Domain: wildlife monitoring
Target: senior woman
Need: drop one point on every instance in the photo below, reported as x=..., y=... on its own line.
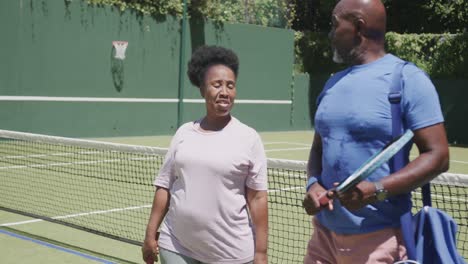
x=211, y=191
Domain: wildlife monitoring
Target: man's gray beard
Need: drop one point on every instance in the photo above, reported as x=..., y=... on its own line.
x=337, y=57
x=353, y=53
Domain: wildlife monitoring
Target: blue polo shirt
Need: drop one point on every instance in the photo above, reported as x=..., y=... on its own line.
x=354, y=121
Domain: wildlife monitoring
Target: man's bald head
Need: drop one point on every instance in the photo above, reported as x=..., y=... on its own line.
x=368, y=14
x=358, y=31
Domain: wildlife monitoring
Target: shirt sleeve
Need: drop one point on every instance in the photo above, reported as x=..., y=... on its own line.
x=420, y=100
x=257, y=178
x=166, y=175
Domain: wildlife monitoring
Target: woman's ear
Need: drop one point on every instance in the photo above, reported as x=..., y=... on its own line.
x=202, y=91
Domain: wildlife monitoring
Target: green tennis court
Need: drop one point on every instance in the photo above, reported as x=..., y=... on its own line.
x=107, y=190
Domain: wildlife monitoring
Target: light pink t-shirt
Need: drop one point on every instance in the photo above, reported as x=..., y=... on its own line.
x=207, y=174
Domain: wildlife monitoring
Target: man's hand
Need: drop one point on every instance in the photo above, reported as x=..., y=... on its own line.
x=311, y=203
x=359, y=196
x=150, y=251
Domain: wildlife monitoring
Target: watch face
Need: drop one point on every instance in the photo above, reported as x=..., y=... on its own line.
x=381, y=195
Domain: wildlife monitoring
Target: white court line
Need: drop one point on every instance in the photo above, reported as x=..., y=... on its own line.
x=113, y=210
x=80, y=214
x=87, y=99
x=59, y=154
x=285, y=149
x=22, y=222
x=459, y=161
x=69, y=163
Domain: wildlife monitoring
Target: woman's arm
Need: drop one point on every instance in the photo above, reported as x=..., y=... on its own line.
x=150, y=248
x=258, y=208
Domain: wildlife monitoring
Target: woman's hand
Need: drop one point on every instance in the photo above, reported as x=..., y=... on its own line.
x=150, y=251
x=260, y=258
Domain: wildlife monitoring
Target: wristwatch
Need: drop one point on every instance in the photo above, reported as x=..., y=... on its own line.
x=380, y=192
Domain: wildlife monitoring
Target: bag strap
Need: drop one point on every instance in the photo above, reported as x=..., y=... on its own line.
x=394, y=97
x=398, y=161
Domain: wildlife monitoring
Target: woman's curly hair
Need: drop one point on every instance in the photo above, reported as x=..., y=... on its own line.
x=207, y=56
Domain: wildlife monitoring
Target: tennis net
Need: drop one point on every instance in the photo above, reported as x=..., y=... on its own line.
x=106, y=189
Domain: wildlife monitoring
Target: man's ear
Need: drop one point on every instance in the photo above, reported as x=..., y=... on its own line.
x=361, y=26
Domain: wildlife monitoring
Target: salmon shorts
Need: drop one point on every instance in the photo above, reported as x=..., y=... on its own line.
x=382, y=246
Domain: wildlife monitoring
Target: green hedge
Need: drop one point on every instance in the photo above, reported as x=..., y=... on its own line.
x=151, y=7
x=313, y=53
x=440, y=55
x=273, y=13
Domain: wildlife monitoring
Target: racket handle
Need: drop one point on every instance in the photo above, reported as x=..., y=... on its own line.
x=324, y=199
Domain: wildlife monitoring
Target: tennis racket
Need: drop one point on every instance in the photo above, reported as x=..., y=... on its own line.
x=368, y=167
